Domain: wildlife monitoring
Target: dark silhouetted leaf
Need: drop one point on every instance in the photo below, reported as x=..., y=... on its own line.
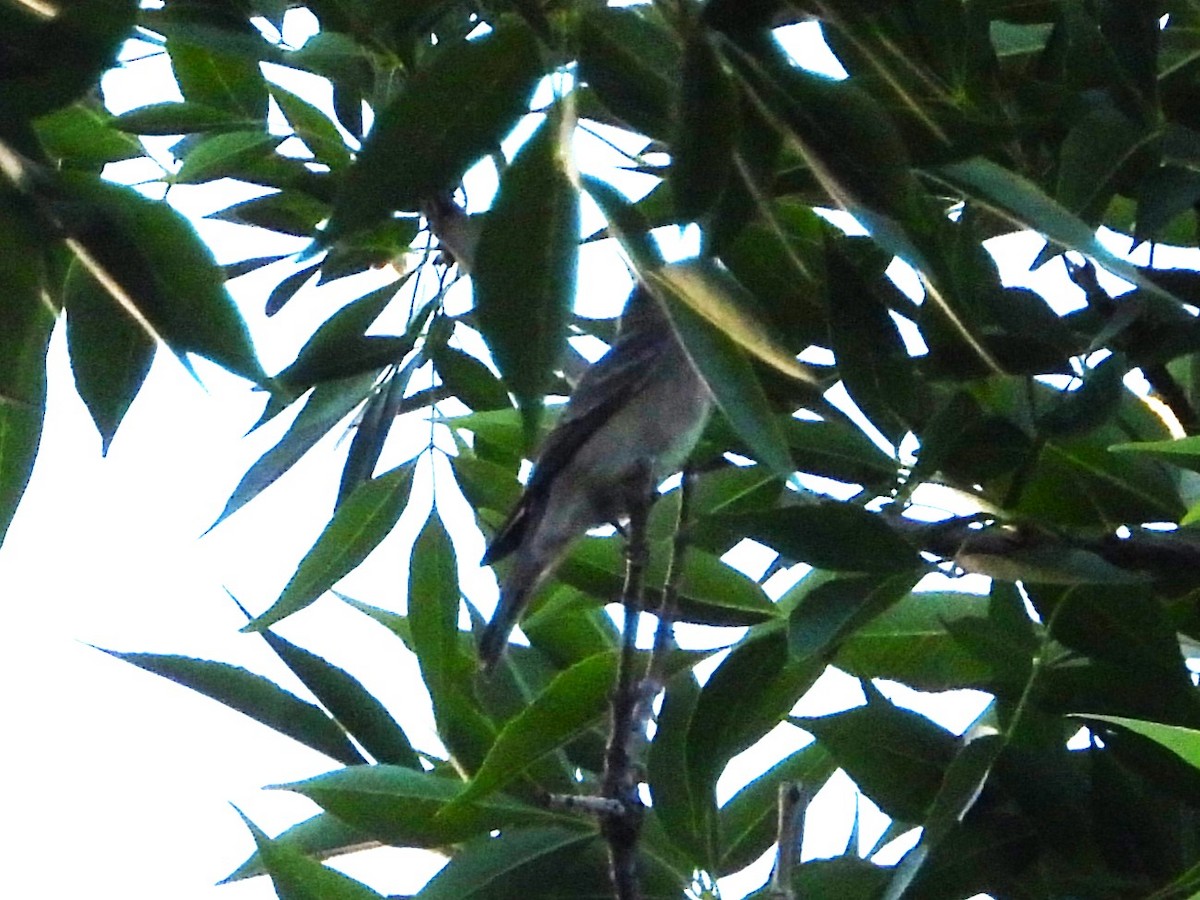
x=110, y=352
x=447, y=116
x=255, y=696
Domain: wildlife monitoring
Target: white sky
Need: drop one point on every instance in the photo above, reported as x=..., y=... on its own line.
x=123, y=783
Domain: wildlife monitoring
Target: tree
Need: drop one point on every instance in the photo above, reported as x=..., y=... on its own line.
x=958, y=122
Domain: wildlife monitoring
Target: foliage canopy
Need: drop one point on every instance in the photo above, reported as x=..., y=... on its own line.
x=959, y=121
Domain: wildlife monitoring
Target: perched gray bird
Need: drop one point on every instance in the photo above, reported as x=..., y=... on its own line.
x=632, y=420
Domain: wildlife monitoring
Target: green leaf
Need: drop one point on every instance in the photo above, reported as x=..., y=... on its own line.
x=253, y=695
x=1079, y=482
x=834, y=609
x=446, y=117
x=574, y=701
x=356, y=529
x=222, y=80
x=296, y=877
x=686, y=810
x=569, y=627
x=710, y=592
x=400, y=806
x=737, y=390
x=964, y=782
x=374, y=424
x=1183, y=742
x=1183, y=452
x=1011, y=39
x=480, y=868
x=703, y=149
x=328, y=404
x=631, y=60
x=1093, y=158
x=362, y=716
x=716, y=296
x=911, y=642
x=151, y=261
x=751, y=692
x=843, y=877
x=51, y=60
x=524, y=273
x=227, y=155
x=470, y=380
x=896, y=757
x=110, y=352
x=838, y=450
x=320, y=837
x=289, y=287
x=871, y=357
x=837, y=536
x=1023, y=203
x=627, y=224
x=396, y=623
x=319, y=134
x=750, y=818
x=85, y=136
x=447, y=667
x=288, y=212
x=23, y=342
x=1091, y=406
x=173, y=117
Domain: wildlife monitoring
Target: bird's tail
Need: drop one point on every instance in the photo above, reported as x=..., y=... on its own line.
x=495, y=635
x=516, y=589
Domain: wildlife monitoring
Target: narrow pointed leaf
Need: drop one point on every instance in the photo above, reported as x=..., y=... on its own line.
x=433, y=607
x=574, y=701
x=358, y=711
x=374, y=425
x=717, y=296
x=255, y=696
x=296, y=877
x=320, y=837
x=180, y=118
x=1183, y=742
x=327, y=405
x=1024, y=204
x=110, y=352
x=356, y=529
x=400, y=805
x=897, y=757
x=737, y=390
x=525, y=267
x=318, y=133
x=703, y=151
x=479, y=868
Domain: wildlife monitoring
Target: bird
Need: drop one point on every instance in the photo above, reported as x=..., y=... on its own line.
x=631, y=421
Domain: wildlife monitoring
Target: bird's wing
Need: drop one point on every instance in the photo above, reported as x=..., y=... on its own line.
x=605, y=388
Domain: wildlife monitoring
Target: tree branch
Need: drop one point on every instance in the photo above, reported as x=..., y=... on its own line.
x=1001, y=550
x=789, y=832
x=621, y=826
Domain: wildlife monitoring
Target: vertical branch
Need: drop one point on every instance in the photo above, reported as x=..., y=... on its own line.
x=790, y=830
x=621, y=827
x=664, y=635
